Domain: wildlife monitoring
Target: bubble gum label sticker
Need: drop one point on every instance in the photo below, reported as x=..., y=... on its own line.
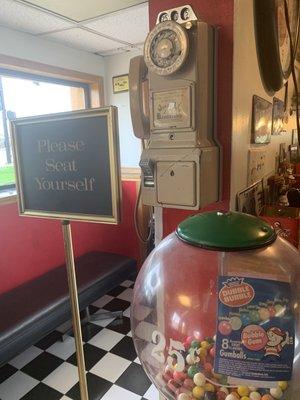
x=255, y=329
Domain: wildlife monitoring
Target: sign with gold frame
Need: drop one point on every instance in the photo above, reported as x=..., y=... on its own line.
x=120, y=83
x=67, y=165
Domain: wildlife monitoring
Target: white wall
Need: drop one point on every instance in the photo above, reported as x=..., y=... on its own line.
x=29, y=47
x=246, y=83
x=129, y=144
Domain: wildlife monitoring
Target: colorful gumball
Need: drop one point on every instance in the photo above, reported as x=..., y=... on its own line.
x=198, y=392
x=208, y=387
x=245, y=319
x=195, y=344
x=279, y=310
x=276, y=393
x=221, y=395
x=193, y=370
x=212, y=352
x=264, y=313
x=188, y=383
x=179, y=376
x=183, y=396
x=236, y=323
x=230, y=396
x=189, y=359
x=272, y=311
x=243, y=390
x=283, y=385
x=255, y=396
x=267, y=397
x=254, y=316
x=199, y=379
x=224, y=389
x=207, y=367
x=224, y=328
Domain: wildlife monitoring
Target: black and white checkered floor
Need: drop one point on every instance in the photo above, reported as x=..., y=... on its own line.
x=47, y=371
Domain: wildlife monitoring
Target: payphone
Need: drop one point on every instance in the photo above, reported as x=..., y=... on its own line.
x=172, y=109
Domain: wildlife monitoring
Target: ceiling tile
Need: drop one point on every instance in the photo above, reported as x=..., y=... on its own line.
x=79, y=10
x=83, y=40
x=130, y=25
x=125, y=49
x=28, y=19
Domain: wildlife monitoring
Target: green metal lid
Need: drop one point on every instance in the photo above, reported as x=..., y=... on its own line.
x=229, y=231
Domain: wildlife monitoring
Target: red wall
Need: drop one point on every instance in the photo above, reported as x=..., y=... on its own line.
x=30, y=247
x=218, y=13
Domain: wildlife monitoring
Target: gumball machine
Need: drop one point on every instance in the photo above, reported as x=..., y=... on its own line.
x=215, y=313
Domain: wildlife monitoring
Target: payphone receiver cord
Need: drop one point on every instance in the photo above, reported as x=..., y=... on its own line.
x=293, y=55
x=136, y=215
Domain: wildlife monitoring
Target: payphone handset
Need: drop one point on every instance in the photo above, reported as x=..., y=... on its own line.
x=137, y=91
x=175, y=76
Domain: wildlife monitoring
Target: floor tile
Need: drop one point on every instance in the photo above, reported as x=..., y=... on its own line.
x=97, y=387
x=129, y=334
x=63, y=349
x=134, y=379
x=25, y=357
x=93, y=309
x=89, y=330
x=117, y=305
x=6, y=371
x=63, y=378
x=16, y=386
x=42, y=392
x=117, y=393
x=106, y=339
x=137, y=360
x=126, y=313
x=48, y=340
x=121, y=325
x=103, y=322
x=65, y=398
x=116, y=291
x=110, y=367
x=152, y=393
x=125, y=348
x=126, y=295
x=127, y=283
x=102, y=301
x=42, y=366
x=92, y=355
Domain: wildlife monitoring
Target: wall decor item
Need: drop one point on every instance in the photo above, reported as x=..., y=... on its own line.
x=120, y=83
x=278, y=115
x=261, y=120
x=67, y=165
x=272, y=40
x=251, y=199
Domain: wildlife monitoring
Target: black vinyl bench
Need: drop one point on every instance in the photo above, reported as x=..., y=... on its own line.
x=36, y=308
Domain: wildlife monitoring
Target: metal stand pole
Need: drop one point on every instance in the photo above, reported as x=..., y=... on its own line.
x=75, y=308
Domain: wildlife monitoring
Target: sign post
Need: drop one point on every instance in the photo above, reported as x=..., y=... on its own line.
x=67, y=168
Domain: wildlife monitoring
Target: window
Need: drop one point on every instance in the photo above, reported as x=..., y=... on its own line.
x=24, y=95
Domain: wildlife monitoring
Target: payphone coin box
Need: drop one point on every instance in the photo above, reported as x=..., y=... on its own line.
x=179, y=59
x=215, y=312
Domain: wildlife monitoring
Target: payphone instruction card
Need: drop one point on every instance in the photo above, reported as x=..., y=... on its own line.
x=255, y=329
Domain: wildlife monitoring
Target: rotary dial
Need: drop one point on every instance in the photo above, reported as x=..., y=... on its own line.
x=166, y=48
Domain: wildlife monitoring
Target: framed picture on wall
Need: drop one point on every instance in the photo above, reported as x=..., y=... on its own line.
x=120, y=83
x=261, y=120
x=278, y=115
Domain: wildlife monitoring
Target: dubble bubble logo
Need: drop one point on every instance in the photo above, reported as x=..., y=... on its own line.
x=236, y=293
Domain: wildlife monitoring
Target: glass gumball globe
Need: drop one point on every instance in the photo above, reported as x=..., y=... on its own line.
x=217, y=324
